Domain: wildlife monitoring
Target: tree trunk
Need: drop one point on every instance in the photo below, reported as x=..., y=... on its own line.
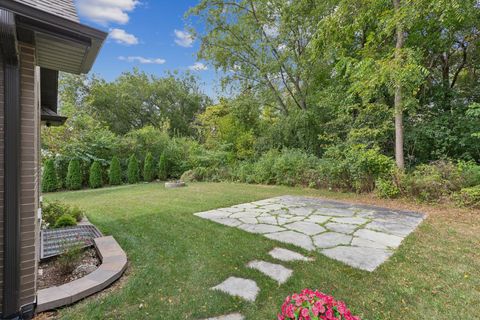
x=398, y=103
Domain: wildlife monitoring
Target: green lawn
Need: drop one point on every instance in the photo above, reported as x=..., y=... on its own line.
x=176, y=257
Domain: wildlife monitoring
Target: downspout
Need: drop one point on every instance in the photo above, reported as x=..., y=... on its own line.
x=11, y=237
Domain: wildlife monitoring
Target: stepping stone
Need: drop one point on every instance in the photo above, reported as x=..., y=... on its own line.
x=228, y=222
x=317, y=219
x=260, y=228
x=379, y=237
x=287, y=255
x=267, y=219
x=248, y=220
x=293, y=237
x=307, y=228
x=244, y=214
x=214, y=214
x=352, y=220
x=331, y=239
x=233, y=316
x=340, y=227
x=275, y=271
x=359, y=257
x=301, y=211
x=360, y=242
x=335, y=212
x=244, y=288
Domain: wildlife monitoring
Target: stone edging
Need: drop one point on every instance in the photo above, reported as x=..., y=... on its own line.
x=114, y=263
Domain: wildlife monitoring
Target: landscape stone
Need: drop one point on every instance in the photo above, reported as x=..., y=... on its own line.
x=358, y=257
x=292, y=237
x=379, y=237
x=267, y=219
x=228, y=222
x=331, y=239
x=233, y=316
x=260, y=228
x=394, y=228
x=340, y=227
x=307, y=228
x=317, y=219
x=244, y=288
x=277, y=272
x=287, y=255
x=361, y=242
x=352, y=220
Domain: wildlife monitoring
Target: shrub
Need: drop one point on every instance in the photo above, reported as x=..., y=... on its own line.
x=74, y=175
x=133, y=174
x=52, y=211
x=49, y=178
x=468, y=197
x=65, y=220
x=115, y=172
x=149, y=168
x=69, y=258
x=470, y=172
x=95, y=179
x=311, y=304
x=163, y=167
x=242, y=172
x=386, y=188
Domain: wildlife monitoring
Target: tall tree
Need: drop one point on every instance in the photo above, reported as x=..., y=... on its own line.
x=399, y=157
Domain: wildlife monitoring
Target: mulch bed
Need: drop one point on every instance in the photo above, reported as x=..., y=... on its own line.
x=49, y=275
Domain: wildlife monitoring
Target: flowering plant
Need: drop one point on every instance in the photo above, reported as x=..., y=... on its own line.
x=314, y=305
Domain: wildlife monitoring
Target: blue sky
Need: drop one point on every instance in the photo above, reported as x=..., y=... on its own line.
x=148, y=34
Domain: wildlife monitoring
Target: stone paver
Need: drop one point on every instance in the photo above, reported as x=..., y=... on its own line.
x=287, y=255
x=331, y=239
x=359, y=235
x=233, y=316
x=277, y=272
x=244, y=288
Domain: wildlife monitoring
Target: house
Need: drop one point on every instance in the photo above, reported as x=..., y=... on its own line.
x=38, y=38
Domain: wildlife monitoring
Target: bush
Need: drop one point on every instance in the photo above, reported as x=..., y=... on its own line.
x=65, y=220
x=49, y=178
x=133, y=174
x=149, y=168
x=468, y=197
x=74, y=175
x=470, y=172
x=95, y=178
x=163, y=167
x=311, y=304
x=386, y=188
x=115, y=172
x=69, y=258
x=52, y=211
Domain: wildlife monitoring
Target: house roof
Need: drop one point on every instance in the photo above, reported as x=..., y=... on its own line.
x=61, y=8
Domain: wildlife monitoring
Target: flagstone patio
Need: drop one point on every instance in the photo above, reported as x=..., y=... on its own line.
x=361, y=236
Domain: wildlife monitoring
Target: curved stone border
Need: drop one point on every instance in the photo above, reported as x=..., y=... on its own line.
x=114, y=263
x=177, y=184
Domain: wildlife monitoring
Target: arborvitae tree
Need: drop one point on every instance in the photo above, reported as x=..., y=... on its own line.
x=95, y=179
x=149, y=168
x=163, y=167
x=133, y=172
x=49, y=178
x=74, y=175
x=115, y=173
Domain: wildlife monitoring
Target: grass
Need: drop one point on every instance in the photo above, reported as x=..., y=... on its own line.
x=176, y=257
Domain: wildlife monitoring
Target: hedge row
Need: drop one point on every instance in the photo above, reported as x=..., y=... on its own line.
x=99, y=175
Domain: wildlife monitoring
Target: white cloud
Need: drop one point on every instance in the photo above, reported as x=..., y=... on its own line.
x=106, y=11
x=198, y=66
x=183, y=38
x=121, y=36
x=142, y=60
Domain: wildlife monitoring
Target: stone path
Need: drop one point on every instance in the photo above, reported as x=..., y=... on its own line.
x=243, y=288
x=361, y=236
x=275, y=271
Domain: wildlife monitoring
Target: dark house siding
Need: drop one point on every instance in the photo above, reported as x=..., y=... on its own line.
x=62, y=8
x=1, y=177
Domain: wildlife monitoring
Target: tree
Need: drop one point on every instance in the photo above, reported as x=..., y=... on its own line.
x=399, y=158
x=115, y=172
x=163, y=167
x=49, y=178
x=74, y=175
x=133, y=172
x=95, y=179
x=149, y=168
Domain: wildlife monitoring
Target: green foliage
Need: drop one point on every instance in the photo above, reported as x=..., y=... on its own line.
x=74, y=178
x=133, y=170
x=49, y=177
x=163, y=166
x=385, y=188
x=115, y=172
x=149, y=168
x=468, y=197
x=95, y=179
x=70, y=257
x=52, y=211
x=65, y=220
